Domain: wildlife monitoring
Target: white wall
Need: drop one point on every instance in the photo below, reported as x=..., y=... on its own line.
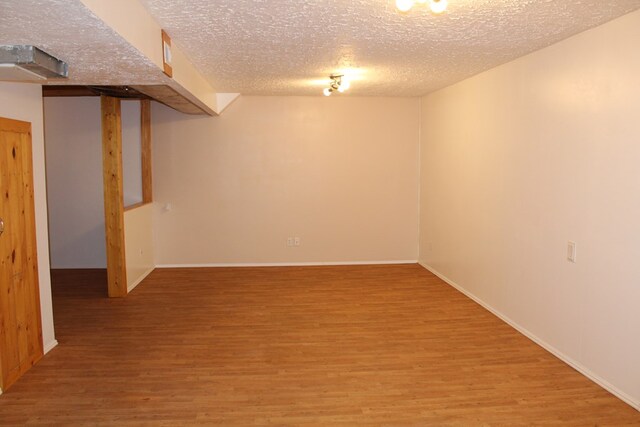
x=138, y=236
x=74, y=177
x=523, y=158
x=131, y=152
x=340, y=173
x=74, y=181
x=24, y=102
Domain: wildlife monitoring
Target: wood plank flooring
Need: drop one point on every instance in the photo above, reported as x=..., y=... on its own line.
x=363, y=345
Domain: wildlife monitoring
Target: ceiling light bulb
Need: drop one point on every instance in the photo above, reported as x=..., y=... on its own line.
x=438, y=6
x=344, y=85
x=404, y=5
x=327, y=91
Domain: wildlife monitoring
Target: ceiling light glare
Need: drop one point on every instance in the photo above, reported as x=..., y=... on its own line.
x=404, y=5
x=438, y=6
x=338, y=83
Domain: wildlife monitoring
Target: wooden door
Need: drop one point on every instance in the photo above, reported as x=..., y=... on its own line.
x=20, y=322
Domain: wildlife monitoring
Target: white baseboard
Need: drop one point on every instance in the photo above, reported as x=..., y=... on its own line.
x=560, y=355
x=139, y=280
x=50, y=346
x=286, y=264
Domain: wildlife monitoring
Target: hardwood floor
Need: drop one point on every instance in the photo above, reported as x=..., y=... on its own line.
x=365, y=345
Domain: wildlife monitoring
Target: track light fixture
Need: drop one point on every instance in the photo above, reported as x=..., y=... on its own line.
x=437, y=6
x=338, y=83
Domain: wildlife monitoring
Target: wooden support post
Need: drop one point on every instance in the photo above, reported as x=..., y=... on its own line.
x=113, y=195
x=145, y=138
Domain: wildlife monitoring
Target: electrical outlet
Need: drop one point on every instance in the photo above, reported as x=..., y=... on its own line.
x=289, y=241
x=296, y=241
x=571, y=251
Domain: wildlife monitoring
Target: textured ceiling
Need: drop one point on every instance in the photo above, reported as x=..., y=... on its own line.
x=283, y=47
x=69, y=31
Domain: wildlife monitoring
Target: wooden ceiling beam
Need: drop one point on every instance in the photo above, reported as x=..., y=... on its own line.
x=164, y=94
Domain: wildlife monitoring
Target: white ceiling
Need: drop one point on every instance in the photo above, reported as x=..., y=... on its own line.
x=284, y=47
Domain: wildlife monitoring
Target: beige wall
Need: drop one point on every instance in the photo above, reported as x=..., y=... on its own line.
x=340, y=173
x=24, y=102
x=521, y=159
x=74, y=177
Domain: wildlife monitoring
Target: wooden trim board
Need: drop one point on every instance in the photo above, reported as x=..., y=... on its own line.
x=166, y=53
x=113, y=195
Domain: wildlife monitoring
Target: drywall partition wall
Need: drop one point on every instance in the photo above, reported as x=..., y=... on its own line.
x=138, y=236
x=22, y=101
x=340, y=173
x=74, y=180
x=74, y=174
x=131, y=152
x=521, y=159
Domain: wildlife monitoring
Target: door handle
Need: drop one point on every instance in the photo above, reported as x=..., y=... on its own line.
x=1, y=226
